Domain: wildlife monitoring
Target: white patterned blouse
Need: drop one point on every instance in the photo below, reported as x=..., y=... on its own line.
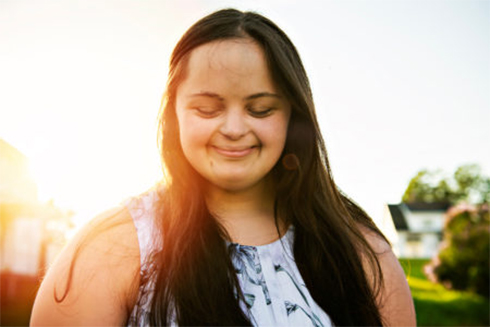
x=275, y=293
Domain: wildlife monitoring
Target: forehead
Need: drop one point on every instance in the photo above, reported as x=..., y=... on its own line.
x=235, y=64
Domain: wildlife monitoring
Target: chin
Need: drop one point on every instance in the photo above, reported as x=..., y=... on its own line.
x=234, y=185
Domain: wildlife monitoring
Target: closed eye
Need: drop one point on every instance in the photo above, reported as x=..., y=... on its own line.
x=206, y=112
x=260, y=112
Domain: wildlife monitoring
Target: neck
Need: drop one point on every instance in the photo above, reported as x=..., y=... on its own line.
x=247, y=215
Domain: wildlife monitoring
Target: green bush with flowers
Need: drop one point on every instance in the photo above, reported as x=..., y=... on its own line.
x=463, y=263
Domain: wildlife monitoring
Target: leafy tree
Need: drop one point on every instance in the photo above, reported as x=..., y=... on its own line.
x=471, y=185
x=467, y=184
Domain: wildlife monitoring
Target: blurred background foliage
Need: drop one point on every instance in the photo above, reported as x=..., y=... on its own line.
x=466, y=184
x=452, y=289
x=463, y=262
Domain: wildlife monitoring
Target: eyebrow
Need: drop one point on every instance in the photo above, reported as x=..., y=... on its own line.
x=207, y=94
x=263, y=94
x=250, y=97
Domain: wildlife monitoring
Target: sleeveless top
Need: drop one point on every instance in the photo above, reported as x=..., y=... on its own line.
x=274, y=291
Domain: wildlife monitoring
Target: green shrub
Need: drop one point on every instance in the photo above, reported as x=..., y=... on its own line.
x=463, y=263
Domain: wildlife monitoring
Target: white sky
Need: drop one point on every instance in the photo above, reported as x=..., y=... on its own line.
x=399, y=86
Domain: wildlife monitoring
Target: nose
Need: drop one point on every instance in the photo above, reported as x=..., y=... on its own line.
x=234, y=125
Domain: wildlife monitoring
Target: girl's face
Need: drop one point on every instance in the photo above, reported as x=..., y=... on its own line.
x=232, y=120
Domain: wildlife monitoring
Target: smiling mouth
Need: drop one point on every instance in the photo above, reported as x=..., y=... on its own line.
x=234, y=152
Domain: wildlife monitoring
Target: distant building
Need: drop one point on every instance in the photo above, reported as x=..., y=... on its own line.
x=419, y=228
x=31, y=233
x=16, y=182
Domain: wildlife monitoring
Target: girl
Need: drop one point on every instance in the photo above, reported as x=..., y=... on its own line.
x=249, y=227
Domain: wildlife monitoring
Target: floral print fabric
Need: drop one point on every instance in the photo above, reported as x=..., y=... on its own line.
x=273, y=289
x=274, y=293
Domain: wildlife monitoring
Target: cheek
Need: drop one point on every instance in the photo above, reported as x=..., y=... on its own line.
x=193, y=135
x=274, y=134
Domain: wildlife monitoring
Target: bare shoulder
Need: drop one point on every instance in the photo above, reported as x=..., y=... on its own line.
x=394, y=300
x=94, y=280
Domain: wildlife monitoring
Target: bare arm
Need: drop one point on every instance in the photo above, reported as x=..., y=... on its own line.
x=394, y=300
x=105, y=277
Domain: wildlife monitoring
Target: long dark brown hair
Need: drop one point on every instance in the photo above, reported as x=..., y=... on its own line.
x=195, y=281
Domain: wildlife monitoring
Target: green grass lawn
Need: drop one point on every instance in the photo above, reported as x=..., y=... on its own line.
x=437, y=306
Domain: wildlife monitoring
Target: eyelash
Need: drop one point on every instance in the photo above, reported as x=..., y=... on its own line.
x=206, y=113
x=213, y=112
x=261, y=113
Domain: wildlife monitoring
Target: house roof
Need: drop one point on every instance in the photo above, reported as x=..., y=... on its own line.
x=418, y=217
x=398, y=216
x=423, y=206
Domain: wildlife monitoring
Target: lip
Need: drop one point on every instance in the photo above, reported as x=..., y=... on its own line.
x=234, y=152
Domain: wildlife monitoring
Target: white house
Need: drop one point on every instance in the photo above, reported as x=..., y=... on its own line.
x=419, y=228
